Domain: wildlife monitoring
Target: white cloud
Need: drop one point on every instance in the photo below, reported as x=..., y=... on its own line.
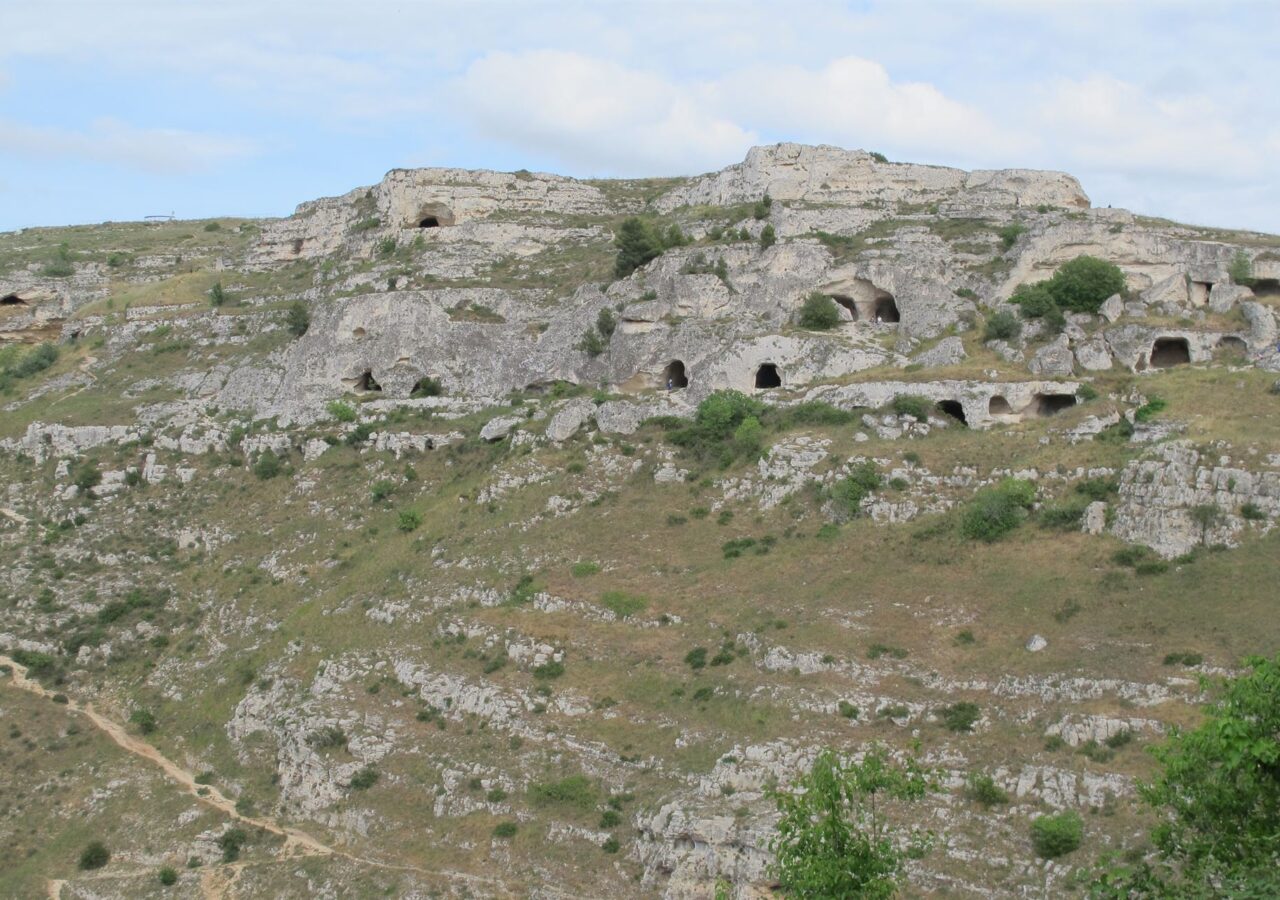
x=157, y=150
x=597, y=114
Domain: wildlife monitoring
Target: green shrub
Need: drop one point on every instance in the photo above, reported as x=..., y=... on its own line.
x=1186, y=659
x=573, y=791
x=610, y=818
x=982, y=789
x=267, y=465
x=341, y=411
x=1241, y=269
x=386, y=246
x=877, y=650
x=850, y=491
x=623, y=605
x=912, y=405
x=584, y=569
x=1119, y=739
x=1252, y=512
x=1149, y=410
x=95, y=855
x=1010, y=233
x=505, y=830
x=1086, y=392
x=736, y=547
x=1056, y=835
x=1002, y=326
x=427, y=387
x=696, y=658
x=768, y=237
x=960, y=717
x=168, y=875
x=145, y=719
x=382, y=489
x=761, y=209
x=998, y=510
x=637, y=244
x=230, y=842
x=1064, y=516
x=847, y=709
x=611, y=845
x=1082, y=284
x=1097, y=488
x=364, y=779
x=37, y=664
x=358, y=435
x=217, y=296
x=819, y=312
x=330, y=737
x=409, y=520
x=297, y=319
x=87, y=476
x=548, y=670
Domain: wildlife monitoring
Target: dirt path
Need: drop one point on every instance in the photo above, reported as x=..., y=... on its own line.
x=217, y=883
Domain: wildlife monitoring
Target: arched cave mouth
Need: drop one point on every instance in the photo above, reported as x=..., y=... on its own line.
x=12, y=300
x=1266, y=287
x=886, y=309
x=767, y=377
x=999, y=406
x=429, y=222
x=1052, y=404
x=848, y=304
x=366, y=382
x=433, y=215
x=1231, y=346
x=953, y=409
x=674, y=375
x=1169, y=352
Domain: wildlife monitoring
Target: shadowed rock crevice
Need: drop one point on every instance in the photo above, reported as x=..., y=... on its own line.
x=767, y=376
x=1168, y=352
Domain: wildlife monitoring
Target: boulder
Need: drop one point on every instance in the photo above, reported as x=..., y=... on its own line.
x=497, y=429
x=1112, y=308
x=1094, y=520
x=565, y=423
x=1224, y=296
x=1093, y=355
x=947, y=352
x=1055, y=358
x=1171, y=291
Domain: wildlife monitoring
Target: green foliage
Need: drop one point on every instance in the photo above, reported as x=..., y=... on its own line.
x=168, y=875
x=1056, y=835
x=584, y=569
x=637, y=244
x=217, y=296
x=573, y=791
x=267, y=465
x=819, y=312
x=1241, y=269
x=366, y=224
x=1206, y=516
x=983, y=790
x=364, y=779
x=912, y=405
x=60, y=266
x=1185, y=659
x=426, y=387
x=37, y=664
x=1252, y=512
x=341, y=411
x=1033, y=300
x=606, y=323
x=833, y=839
x=998, y=510
x=960, y=717
x=145, y=719
x=877, y=650
x=505, y=830
x=382, y=489
x=850, y=491
x=297, y=319
x=762, y=208
x=1149, y=410
x=720, y=428
x=87, y=476
x=879, y=157
x=548, y=670
x=230, y=842
x=1010, y=233
x=330, y=737
x=409, y=520
x=95, y=855
x=768, y=237
x=696, y=658
x=1064, y=516
x=847, y=710
x=17, y=362
x=386, y=247
x=611, y=845
x=1086, y=392
x=1002, y=326
x=1080, y=285
x=623, y=605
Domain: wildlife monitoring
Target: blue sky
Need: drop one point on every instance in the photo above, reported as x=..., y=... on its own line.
x=111, y=109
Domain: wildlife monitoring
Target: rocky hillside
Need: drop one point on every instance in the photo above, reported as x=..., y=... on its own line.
x=412, y=546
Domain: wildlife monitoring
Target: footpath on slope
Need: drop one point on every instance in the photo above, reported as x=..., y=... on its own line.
x=297, y=843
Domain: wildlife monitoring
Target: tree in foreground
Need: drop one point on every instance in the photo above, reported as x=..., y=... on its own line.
x=834, y=839
x=1218, y=796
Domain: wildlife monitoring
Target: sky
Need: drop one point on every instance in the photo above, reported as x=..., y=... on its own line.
x=118, y=109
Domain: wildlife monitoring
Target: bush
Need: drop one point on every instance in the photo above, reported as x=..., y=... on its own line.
x=95, y=855
x=1010, y=233
x=574, y=791
x=611, y=845
x=1241, y=269
x=267, y=465
x=297, y=319
x=364, y=779
x=1186, y=659
x=1064, y=516
x=548, y=670
x=1086, y=392
x=230, y=842
x=343, y=412
x=409, y=520
x=850, y=491
x=217, y=296
x=623, y=605
x=877, y=650
x=1252, y=512
x=1080, y=285
x=847, y=709
x=696, y=658
x=1149, y=410
x=87, y=476
x=998, y=510
x=768, y=237
x=168, y=875
x=505, y=830
x=1002, y=326
x=584, y=569
x=960, y=717
x=819, y=312
x=1056, y=835
x=982, y=789
x=761, y=209
x=145, y=719
x=637, y=244
x=381, y=490
x=912, y=405
x=427, y=387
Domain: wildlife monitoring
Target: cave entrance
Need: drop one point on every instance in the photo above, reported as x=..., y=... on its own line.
x=848, y=304
x=1232, y=346
x=429, y=222
x=1052, y=404
x=366, y=382
x=12, y=300
x=433, y=215
x=767, y=377
x=1169, y=352
x=954, y=409
x=674, y=376
x=1198, y=292
x=999, y=406
x=1266, y=287
x=426, y=387
x=886, y=309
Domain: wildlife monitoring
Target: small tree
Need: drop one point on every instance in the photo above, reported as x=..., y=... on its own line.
x=1084, y=283
x=94, y=856
x=1207, y=516
x=834, y=839
x=637, y=245
x=1241, y=269
x=1057, y=835
x=762, y=207
x=1002, y=326
x=768, y=237
x=87, y=476
x=819, y=312
x=298, y=319
x=217, y=296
